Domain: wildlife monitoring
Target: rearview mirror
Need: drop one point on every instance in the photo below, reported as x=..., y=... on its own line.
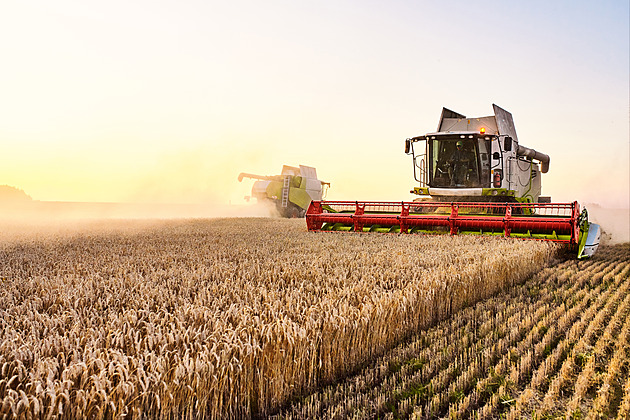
x=496, y=156
x=407, y=146
x=507, y=144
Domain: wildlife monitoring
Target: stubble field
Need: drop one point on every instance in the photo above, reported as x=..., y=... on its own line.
x=555, y=347
x=241, y=317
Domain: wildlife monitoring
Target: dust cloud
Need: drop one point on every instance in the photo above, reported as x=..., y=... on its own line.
x=615, y=223
x=25, y=221
x=58, y=210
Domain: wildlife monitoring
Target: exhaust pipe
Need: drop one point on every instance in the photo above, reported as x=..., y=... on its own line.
x=533, y=154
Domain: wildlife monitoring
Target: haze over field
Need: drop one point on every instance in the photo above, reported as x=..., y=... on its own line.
x=167, y=102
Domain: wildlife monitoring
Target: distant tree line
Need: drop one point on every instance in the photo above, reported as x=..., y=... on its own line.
x=13, y=195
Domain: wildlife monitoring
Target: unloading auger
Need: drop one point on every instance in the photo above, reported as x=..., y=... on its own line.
x=474, y=179
x=291, y=191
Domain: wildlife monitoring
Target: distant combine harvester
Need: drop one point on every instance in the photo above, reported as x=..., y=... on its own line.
x=291, y=192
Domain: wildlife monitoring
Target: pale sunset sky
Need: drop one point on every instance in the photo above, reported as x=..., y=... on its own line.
x=167, y=101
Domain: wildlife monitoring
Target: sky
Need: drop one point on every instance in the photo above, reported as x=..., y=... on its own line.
x=168, y=101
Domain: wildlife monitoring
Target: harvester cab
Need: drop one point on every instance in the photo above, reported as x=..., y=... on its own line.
x=474, y=178
x=476, y=159
x=291, y=192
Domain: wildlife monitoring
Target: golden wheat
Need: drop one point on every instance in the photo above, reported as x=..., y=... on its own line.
x=222, y=318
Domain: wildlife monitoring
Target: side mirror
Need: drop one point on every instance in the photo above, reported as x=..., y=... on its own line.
x=496, y=156
x=507, y=144
x=407, y=146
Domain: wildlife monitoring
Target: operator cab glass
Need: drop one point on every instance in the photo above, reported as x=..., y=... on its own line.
x=466, y=166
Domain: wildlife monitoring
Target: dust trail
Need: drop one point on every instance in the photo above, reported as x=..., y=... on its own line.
x=60, y=210
x=615, y=223
x=27, y=221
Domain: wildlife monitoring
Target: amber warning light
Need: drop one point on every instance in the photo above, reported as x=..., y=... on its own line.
x=482, y=130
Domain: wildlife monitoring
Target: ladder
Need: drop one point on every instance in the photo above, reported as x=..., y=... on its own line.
x=285, y=191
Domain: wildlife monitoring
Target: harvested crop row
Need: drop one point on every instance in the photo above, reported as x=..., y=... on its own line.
x=566, y=329
x=229, y=317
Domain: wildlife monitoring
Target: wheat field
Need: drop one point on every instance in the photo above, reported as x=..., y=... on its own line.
x=229, y=318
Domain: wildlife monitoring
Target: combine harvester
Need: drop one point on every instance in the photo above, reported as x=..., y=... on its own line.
x=475, y=178
x=291, y=191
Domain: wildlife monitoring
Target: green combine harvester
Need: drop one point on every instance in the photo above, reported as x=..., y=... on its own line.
x=291, y=192
x=473, y=178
